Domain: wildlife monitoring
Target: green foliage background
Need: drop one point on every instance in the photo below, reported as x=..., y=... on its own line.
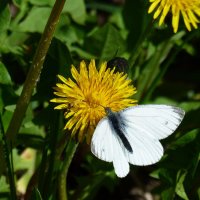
x=163, y=66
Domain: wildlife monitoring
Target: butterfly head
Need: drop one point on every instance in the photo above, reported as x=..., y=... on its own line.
x=108, y=111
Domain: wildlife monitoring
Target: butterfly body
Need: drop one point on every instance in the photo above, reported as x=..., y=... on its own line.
x=117, y=123
x=120, y=64
x=132, y=135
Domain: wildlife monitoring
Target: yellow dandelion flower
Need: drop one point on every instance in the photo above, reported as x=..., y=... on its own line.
x=190, y=10
x=85, y=97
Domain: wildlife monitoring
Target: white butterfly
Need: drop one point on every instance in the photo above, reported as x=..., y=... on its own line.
x=132, y=135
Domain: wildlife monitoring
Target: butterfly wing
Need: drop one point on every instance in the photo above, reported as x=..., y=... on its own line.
x=146, y=150
x=107, y=146
x=101, y=144
x=120, y=161
x=158, y=121
x=144, y=126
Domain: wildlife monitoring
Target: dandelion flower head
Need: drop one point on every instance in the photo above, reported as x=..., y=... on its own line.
x=84, y=97
x=189, y=9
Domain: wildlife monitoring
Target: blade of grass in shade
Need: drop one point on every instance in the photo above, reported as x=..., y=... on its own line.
x=44, y=174
x=8, y=162
x=30, y=140
x=70, y=151
x=35, y=71
x=166, y=65
x=53, y=145
x=36, y=195
x=43, y=166
x=152, y=68
x=38, y=177
x=47, y=166
x=138, y=47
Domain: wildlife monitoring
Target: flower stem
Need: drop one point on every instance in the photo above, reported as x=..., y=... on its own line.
x=35, y=71
x=70, y=151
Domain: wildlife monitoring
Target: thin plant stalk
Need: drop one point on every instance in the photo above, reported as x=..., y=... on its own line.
x=8, y=160
x=35, y=71
x=70, y=151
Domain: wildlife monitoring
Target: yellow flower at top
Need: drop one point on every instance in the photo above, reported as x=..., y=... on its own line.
x=84, y=97
x=189, y=9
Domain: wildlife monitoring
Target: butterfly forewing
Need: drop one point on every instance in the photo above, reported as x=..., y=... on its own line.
x=158, y=121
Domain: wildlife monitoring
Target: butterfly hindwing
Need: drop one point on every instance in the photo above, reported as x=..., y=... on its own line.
x=107, y=146
x=120, y=161
x=101, y=144
x=146, y=150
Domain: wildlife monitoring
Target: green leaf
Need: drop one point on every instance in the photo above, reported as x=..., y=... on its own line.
x=136, y=20
x=7, y=97
x=76, y=9
x=58, y=62
x=165, y=175
x=14, y=43
x=4, y=75
x=36, y=20
x=6, y=117
x=66, y=32
x=186, y=146
x=190, y=105
x=198, y=193
x=185, y=139
x=90, y=185
x=180, y=190
x=175, y=158
x=10, y=108
x=24, y=163
x=4, y=185
x=5, y=17
x=167, y=193
x=104, y=42
x=42, y=3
